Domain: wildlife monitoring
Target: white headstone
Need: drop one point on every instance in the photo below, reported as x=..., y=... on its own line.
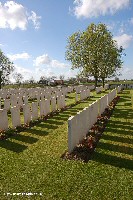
x=103, y=102
x=53, y=104
x=7, y=104
x=76, y=97
x=34, y=110
x=72, y=131
x=46, y=107
x=20, y=101
x=27, y=113
x=15, y=117
x=25, y=98
x=13, y=100
x=3, y=119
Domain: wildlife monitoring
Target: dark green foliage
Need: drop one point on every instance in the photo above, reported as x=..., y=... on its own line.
x=6, y=67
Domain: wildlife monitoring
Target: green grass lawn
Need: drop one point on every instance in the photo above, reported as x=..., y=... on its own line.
x=30, y=161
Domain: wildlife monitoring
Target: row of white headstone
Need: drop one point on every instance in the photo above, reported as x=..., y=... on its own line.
x=32, y=112
x=45, y=106
x=33, y=92
x=81, y=123
x=40, y=108
x=19, y=100
x=99, y=89
x=84, y=94
x=20, y=97
x=106, y=86
x=80, y=88
x=119, y=88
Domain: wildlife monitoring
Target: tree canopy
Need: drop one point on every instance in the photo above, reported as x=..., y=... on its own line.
x=6, y=67
x=95, y=52
x=18, y=78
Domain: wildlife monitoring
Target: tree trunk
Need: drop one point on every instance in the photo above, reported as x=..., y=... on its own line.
x=103, y=81
x=96, y=81
x=0, y=78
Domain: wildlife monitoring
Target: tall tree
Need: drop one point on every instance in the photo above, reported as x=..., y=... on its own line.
x=18, y=78
x=94, y=51
x=32, y=80
x=110, y=59
x=61, y=77
x=6, y=68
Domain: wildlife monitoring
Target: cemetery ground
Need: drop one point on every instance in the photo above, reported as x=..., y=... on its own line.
x=31, y=161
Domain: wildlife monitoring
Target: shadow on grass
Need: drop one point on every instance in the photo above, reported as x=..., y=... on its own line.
x=84, y=102
x=12, y=146
x=119, y=124
x=125, y=99
x=121, y=131
x=126, y=91
x=123, y=128
x=126, y=114
x=93, y=97
x=128, y=104
x=116, y=148
x=51, y=123
x=118, y=139
x=25, y=138
x=113, y=160
x=35, y=131
x=61, y=117
x=56, y=122
x=69, y=97
x=70, y=113
x=15, y=147
x=73, y=108
x=47, y=125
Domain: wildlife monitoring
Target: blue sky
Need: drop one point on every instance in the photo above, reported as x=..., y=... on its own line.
x=33, y=34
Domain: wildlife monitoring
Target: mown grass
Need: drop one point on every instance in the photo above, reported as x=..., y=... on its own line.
x=131, y=92
x=30, y=161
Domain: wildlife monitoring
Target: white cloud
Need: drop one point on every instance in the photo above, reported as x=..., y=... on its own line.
x=110, y=26
x=46, y=66
x=14, y=57
x=51, y=72
x=44, y=72
x=91, y=8
x=58, y=64
x=14, y=15
x=124, y=40
x=43, y=66
x=36, y=73
x=35, y=19
x=131, y=20
x=71, y=73
x=22, y=70
x=46, y=61
x=117, y=27
x=42, y=60
x=122, y=28
x=26, y=73
x=127, y=73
